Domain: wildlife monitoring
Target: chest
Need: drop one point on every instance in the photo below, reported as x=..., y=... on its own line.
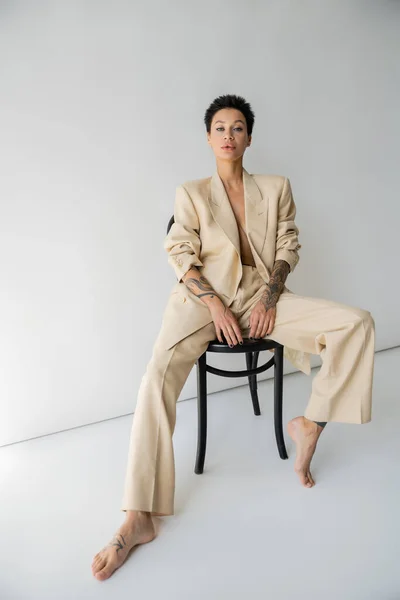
x=236, y=200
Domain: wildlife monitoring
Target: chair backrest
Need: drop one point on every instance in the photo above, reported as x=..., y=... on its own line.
x=170, y=223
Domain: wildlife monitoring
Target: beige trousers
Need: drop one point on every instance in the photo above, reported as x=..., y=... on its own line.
x=344, y=337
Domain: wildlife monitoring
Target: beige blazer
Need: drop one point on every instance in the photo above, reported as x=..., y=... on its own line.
x=205, y=234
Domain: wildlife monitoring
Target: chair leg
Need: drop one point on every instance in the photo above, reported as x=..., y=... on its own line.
x=251, y=362
x=201, y=413
x=278, y=397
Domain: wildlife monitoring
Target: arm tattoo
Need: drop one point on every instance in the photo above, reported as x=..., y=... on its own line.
x=195, y=285
x=276, y=284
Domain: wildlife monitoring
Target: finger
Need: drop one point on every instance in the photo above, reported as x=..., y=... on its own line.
x=260, y=327
x=228, y=335
x=267, y=331
x=238, y=332
x=265, y=328
x=271, y=325
x=255, y=323
x=219, y=336
x=250, y=326
x=233, y=334
x=225, y=336
x=253, y=328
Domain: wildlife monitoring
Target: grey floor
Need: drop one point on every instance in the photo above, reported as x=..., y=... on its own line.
x=245, y=528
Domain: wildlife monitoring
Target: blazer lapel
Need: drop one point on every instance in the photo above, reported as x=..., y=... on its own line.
x=256, y=210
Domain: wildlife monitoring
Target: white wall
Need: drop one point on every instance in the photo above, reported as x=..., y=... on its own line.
x=101, y=117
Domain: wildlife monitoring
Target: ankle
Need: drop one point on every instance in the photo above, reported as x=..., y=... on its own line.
x=311, y=427
x=134, y=515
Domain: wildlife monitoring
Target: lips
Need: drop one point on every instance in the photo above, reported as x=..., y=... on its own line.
x=228, y=147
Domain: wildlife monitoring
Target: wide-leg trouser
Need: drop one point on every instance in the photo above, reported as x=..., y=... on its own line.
x=344, y=337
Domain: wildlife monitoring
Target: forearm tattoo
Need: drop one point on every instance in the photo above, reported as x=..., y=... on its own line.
x=200, y=287
x=276, y=284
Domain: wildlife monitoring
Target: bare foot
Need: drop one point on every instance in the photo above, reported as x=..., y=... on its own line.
x=138, y=528
x=305, y=434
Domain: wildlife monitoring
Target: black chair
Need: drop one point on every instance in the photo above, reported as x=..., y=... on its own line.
x=252, y=349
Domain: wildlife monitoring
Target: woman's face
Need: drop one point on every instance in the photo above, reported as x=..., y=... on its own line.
x=228, y=127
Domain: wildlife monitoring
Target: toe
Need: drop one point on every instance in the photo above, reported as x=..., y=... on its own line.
x=104, y=573
x=99, y=566
x=96, y=561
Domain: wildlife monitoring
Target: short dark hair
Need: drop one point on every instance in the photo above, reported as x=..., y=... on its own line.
x=230, y=101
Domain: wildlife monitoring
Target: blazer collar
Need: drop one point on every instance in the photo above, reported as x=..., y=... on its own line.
x=256, y=210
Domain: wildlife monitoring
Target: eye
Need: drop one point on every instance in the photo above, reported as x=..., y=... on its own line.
x=240, y=128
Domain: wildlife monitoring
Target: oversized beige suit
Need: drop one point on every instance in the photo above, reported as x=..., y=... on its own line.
x=205, y=234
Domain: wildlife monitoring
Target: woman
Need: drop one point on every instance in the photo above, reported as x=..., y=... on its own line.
x=232, y=245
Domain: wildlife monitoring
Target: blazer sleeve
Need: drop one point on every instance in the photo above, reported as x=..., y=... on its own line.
x=182, y=242
x=287, y=243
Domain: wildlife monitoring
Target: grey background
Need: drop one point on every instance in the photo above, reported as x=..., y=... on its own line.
x=101, y=117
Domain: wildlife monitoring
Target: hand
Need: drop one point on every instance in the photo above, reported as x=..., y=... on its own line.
x=262, y=320
x=225, y=323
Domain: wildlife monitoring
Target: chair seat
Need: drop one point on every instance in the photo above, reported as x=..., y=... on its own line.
x=247, y=346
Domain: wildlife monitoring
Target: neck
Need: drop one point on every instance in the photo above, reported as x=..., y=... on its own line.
x=231, y=173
